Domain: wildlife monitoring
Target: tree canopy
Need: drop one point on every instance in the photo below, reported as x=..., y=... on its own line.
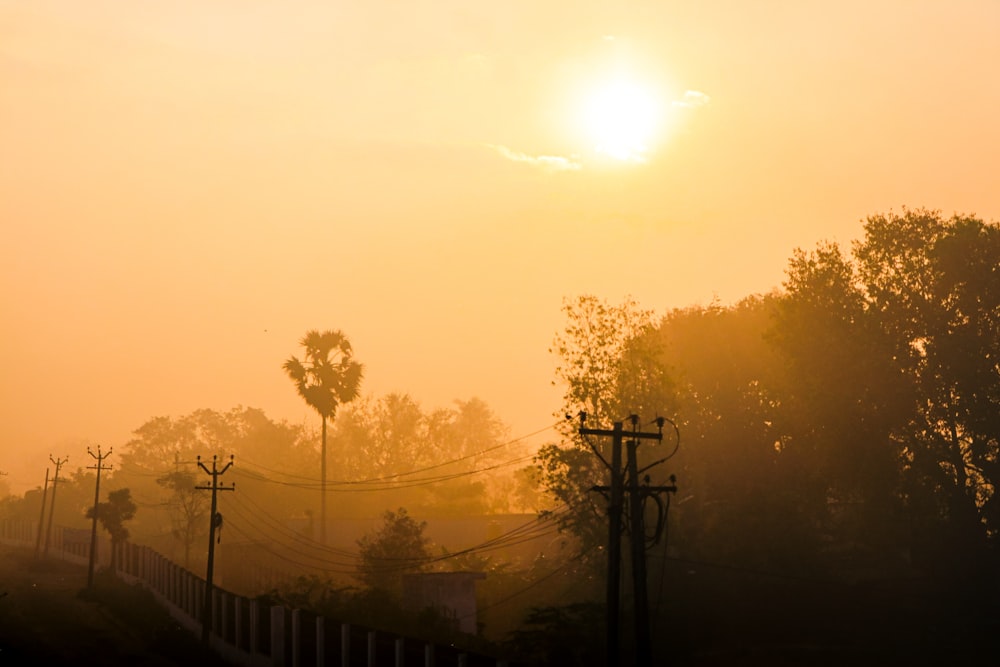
x=397, y=547
x=852, y=416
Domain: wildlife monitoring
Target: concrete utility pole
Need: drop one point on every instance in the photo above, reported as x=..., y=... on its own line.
x=636, y=493
x=97, y=495
x=52, y=502
x=41, y=515
x=214, y=520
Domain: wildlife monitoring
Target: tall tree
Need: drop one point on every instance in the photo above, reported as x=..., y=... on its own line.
x=396, y=548
x=113, y=514
x=610, y=369
x=935, y=285
x=744, y=492
x=188, y=508
x=387, y=438
x=326, y=378
x=896, y=353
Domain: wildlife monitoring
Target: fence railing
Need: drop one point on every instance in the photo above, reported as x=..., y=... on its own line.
x=243, y=630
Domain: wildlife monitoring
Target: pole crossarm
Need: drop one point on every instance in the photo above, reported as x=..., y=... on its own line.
x=632, y=434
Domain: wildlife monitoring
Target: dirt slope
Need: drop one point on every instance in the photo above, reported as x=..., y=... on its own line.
x=48, y=618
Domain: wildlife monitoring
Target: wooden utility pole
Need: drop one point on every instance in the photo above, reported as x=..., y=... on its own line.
x=41, y=515
x=52, y=503
x=214, y=520
x=97, y=496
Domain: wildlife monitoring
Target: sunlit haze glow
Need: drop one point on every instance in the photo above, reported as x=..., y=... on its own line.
x=187, y=187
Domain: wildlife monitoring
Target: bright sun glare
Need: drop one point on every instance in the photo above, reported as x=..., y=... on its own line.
x=622, y=118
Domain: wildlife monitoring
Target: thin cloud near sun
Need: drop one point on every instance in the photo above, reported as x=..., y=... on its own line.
x=553, y=162
x=692, y=99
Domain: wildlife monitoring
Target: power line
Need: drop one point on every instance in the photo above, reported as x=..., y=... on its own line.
x=257, y=517
x=385, y=478
x=537, y=582
x=530, y=531
x=373, y=485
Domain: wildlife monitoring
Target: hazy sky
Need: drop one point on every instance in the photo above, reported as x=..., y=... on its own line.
x=186, y=187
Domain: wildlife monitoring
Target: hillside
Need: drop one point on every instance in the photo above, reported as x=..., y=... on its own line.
x=47, y=617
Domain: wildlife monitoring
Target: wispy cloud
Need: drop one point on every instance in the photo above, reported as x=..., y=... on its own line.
x=692, y=99
x=553, y=162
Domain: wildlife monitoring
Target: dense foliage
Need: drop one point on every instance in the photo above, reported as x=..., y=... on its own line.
x=847, y=423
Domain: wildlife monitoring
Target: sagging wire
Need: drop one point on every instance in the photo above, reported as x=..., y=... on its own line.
x=659, y=421
x=582, y=415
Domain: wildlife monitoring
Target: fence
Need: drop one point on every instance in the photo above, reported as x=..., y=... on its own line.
x=242, y=630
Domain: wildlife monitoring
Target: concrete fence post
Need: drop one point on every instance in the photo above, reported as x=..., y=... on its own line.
x=320, y=642
x=225, y=603
x=216, y=625
x=254, y=626
x=400, y=651
x=296, y=638
x=345, y=645
x=278, y=636
x=371, y=648
x=429, y=655
x=238, y=623
x=183, y=593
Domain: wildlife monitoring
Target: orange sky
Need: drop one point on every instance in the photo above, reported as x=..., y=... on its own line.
x=187, y=187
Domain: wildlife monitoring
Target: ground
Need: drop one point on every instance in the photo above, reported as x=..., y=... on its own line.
x=48, y=617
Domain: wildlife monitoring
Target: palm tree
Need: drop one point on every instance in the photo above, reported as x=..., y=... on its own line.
x=328, y=377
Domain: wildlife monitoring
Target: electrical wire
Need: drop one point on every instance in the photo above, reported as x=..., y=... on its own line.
x=385, y=478
x=533, y=584
x=677, y=446
x=332, y=486
x=267, y=548
x=275, y=523
x=532, y=530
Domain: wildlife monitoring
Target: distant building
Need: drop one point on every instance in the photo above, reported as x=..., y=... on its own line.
x=451, y=593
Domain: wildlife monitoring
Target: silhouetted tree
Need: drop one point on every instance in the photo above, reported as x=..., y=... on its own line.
x=462, y=450
x=328, y=377
x=189, y=507
x=609, y=370
x=745, y=495
x=917, y=310
x=265, y=450
x=398, y=547
x=113, y=514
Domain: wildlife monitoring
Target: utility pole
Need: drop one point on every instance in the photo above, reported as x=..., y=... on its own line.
x=97, y=495
x=214, y=520
x=52, y=503
x=613, y=594
x=636, y=493
x=41, y=515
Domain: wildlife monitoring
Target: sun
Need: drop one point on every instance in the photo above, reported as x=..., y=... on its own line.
x=623, y=118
